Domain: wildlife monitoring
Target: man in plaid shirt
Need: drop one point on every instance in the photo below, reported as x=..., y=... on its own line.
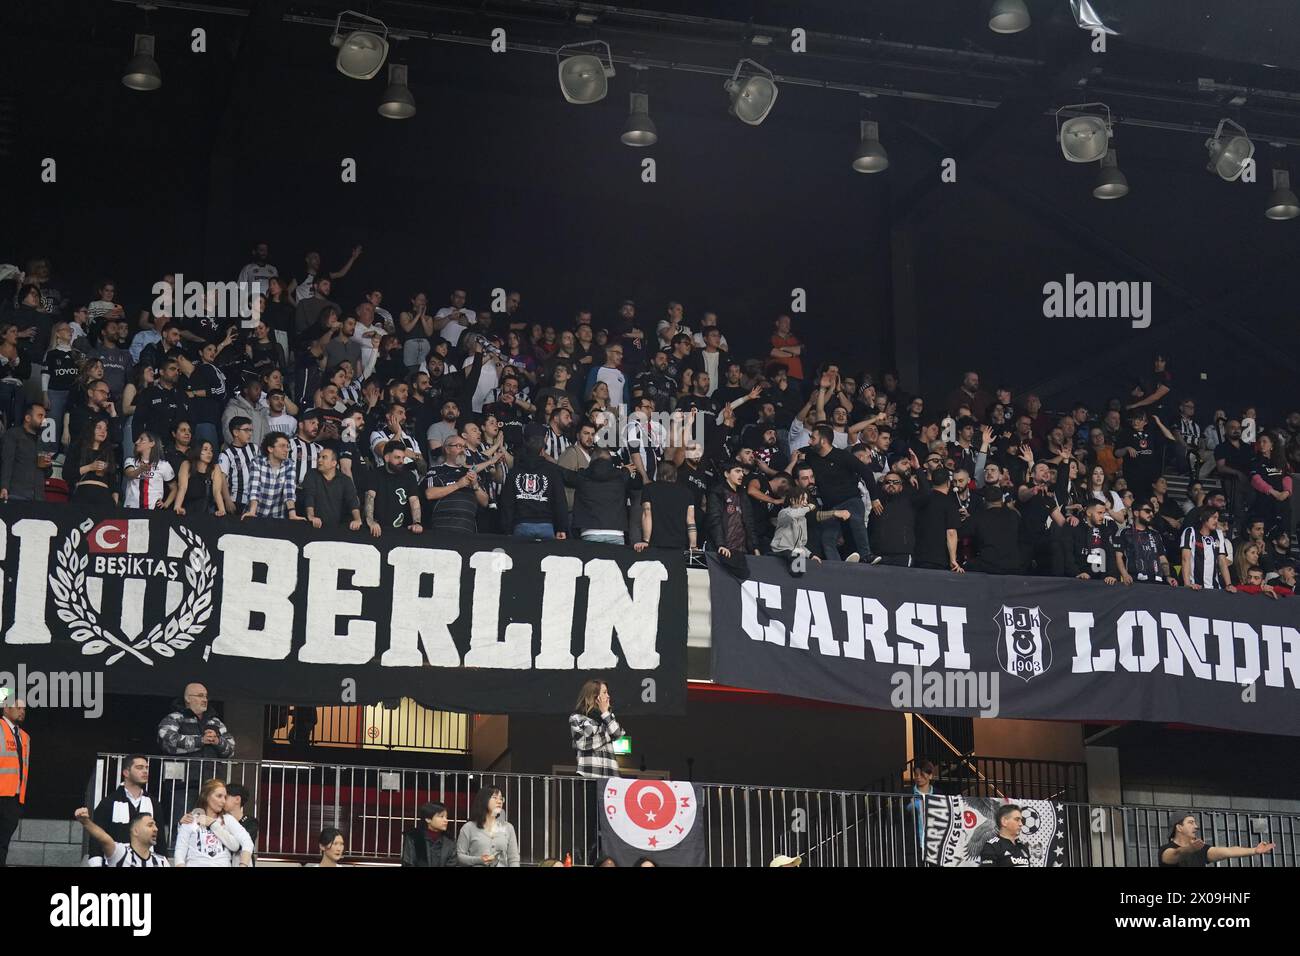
x=273, y=486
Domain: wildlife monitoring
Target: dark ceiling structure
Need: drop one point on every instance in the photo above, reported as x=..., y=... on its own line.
x=939, y=82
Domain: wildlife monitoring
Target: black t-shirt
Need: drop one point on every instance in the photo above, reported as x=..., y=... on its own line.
x=1237, y=456
x=392, y=492
x=699, y=480
x=1200, y=857
x=1096, y=549
x=668, y=503
x=1145, y=467
x=1000, y=851
x=936, y=513
x=995, y=535
x=1142, y=550
x=157, y=409
x=458, y=512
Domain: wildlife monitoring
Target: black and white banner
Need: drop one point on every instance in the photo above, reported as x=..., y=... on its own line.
x=660, y=820
x=935, y=642
x=957, y=828
x=277, y=611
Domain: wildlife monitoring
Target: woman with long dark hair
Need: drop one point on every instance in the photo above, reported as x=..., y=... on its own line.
x=90, y=468
x=487, y=839
x=147, y=474
x=200, y=483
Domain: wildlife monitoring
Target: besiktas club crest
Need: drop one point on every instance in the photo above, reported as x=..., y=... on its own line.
x=115, y=570
x=1024, y=649
x=650, y=815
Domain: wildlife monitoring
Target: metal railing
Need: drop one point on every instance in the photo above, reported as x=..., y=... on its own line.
x=744, y=825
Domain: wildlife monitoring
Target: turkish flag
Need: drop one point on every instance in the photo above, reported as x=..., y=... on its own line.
x=661, y=820
x=109, y=537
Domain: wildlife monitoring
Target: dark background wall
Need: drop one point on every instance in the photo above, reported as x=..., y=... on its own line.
x=497, y=182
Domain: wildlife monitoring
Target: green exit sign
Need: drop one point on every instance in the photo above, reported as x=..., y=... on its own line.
x=623, y=745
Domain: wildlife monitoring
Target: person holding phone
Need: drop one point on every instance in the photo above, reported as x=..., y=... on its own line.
x=487, y=839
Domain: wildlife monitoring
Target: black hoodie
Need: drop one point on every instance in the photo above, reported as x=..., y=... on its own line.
x=534, y=493
x=601, y=500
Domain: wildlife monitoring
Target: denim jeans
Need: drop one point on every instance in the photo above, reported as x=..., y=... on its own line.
x=603, y=537
x=414, y=352
x=857, y=533
x=534, y=529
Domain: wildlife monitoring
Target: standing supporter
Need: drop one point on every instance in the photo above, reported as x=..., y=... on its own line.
x=455, y=490
x=533, y=504
x=23, y=465
x=328, y=497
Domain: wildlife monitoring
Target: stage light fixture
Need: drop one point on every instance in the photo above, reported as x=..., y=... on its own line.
x=870, y=156
x=584, y=77
x=639, y=130
x=752, y=93
x=1008, y=16
x=1282, y=202
x=142, y=71
x=361, y=52
x=1084, y=139
x=1229, y=156
x=1111, y=182
x=398, y=103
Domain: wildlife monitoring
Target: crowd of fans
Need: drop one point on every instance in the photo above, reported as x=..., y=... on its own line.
x=327, y=408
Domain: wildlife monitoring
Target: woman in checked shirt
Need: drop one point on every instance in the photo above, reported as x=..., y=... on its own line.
x=592, y=731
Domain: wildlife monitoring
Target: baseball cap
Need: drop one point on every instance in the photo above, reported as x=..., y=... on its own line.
x=783, y=860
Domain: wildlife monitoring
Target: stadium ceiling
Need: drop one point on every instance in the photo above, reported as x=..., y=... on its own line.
x=1181, y=71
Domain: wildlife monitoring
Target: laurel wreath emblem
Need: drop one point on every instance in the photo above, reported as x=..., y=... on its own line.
x=68, y=583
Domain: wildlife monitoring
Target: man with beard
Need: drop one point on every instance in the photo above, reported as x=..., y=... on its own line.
x=1141, y=555
x=259, y=270
x=161, y=404
x=837, y=472
x=1042, y=519
x=455, y=490
x=655, y=383
x=442, y=429
x=114, y=356
x=1093, y=551
x=893, y=523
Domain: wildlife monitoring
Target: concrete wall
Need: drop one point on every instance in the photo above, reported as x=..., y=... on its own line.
x=1029, y=739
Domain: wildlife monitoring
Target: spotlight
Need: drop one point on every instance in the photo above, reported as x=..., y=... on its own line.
x=871, y=156
x=361, y=52
x=639, y=130
x=1282, y=203
x=142, y=71
x=1111, y=183
x=1229, y=157
x=398, y=103
x=753, y=95
x=1008, y=16
x=1084, y=139
x=584, y=77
